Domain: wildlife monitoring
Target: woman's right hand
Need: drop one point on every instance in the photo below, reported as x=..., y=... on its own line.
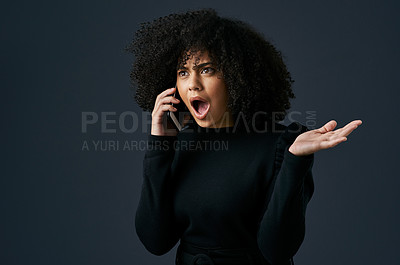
x=158, y=116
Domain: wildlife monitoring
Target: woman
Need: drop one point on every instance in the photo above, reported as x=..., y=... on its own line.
x=241, y=204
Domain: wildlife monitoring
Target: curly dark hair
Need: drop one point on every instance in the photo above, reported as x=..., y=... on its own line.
x=253, y=69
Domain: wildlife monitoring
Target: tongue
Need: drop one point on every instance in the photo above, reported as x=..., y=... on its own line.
x=202, y=107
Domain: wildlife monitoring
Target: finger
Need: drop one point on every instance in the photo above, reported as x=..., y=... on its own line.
x=350, y=127
x=329, y=126
x=166, y=100
x=352, y=123
x=168, y=107
x=346, y=130
x=358, y=122
x=162, y=95
x=165, y=93
x=170, y=99
x=159, y=112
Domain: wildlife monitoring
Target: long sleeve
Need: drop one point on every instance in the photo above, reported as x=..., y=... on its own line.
x=154, y=221
x=282, y=228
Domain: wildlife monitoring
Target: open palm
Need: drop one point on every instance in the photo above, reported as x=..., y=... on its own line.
x=323, y=138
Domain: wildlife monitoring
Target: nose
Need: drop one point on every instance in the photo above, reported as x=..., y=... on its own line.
x=195, y=83
x=193, y=88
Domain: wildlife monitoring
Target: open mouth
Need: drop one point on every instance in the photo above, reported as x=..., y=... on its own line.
x=200, y=107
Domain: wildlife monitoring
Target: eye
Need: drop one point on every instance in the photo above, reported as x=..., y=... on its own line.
x=208, y=70
x=182, y=73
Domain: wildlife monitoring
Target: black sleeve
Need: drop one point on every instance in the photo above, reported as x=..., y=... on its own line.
x=282, y=227
x=154, y=221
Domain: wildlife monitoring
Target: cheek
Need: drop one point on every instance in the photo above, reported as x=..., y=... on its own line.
x=185, y=101
x=182, y=94
x=221, y=103
x=223, y=96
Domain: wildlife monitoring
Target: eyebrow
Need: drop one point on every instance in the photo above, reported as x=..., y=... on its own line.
x=194, y=67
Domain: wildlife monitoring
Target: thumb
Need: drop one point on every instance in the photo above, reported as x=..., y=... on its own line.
x=329, y=126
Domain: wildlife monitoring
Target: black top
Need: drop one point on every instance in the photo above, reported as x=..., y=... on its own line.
x=226, y=188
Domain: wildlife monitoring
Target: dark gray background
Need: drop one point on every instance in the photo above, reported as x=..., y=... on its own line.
x=62, y=205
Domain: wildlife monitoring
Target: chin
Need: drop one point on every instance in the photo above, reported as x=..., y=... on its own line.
x=203, y=123
x=206, y=124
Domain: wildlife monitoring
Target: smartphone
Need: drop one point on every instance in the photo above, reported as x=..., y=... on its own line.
x=177, y=117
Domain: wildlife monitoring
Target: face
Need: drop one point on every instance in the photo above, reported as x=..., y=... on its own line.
x=204, y=92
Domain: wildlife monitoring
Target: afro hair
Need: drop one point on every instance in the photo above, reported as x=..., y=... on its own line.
x=255, y=74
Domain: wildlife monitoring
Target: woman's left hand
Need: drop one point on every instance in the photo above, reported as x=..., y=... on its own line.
x=323, y=138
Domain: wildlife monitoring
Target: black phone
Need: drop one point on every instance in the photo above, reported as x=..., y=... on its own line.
x=178, y=116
